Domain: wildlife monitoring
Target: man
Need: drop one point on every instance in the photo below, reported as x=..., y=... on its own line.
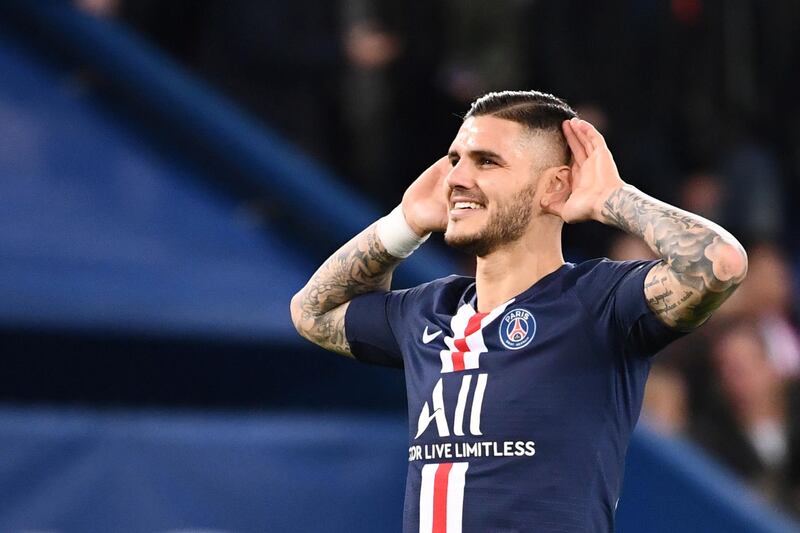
x=524, y=383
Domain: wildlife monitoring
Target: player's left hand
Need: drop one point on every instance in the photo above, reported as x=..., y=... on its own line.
x=594, y=173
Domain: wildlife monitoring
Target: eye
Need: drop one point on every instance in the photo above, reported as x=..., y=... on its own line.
x=485, y=161
x=453, y=161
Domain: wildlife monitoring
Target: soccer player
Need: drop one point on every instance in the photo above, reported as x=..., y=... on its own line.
x=525, y=382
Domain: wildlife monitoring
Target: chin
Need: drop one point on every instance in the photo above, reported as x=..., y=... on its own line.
x=471, y=243
x=456, y=232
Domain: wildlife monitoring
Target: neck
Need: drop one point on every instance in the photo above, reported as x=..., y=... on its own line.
x=514, y=267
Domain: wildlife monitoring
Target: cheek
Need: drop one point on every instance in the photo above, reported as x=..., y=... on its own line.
x=498, y=197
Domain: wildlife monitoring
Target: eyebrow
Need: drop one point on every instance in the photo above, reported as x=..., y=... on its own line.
x=479, y=154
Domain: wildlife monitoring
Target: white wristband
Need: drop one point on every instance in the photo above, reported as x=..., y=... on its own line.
x=397, y=236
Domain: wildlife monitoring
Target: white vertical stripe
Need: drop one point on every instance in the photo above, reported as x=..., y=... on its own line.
x=426, y=498
x=455, y=496
x=477, y=404
x=450, y=342
x=458, y=325
x=458, y=425
x=438, y=410
x=425, y=416
x=460, y=320
x=447, y=360
x=472, y=360
x=475, y=342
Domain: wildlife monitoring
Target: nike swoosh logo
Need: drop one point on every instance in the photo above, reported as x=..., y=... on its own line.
x=428, y=337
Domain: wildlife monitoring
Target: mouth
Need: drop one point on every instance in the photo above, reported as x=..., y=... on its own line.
x=463, y=208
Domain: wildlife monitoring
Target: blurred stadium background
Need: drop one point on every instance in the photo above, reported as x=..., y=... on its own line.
x=171, y=172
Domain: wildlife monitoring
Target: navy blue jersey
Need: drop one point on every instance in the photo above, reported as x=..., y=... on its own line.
x=519, y=418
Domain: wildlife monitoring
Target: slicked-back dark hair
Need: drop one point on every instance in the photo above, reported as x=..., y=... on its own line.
x=535, y=110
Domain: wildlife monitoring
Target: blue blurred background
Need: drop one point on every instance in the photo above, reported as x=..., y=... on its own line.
x=171, y=172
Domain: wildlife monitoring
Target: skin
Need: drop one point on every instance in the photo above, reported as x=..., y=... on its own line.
x=701, y=263
x=360, y=266
x=496, y=163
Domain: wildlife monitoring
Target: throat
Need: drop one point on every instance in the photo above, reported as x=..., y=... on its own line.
x=497, y=280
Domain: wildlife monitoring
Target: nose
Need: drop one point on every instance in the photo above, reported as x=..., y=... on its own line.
x=460, y=176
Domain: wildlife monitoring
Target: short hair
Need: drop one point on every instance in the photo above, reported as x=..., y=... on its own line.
x=536, y=111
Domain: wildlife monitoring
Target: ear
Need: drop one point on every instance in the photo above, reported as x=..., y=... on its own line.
x=557, y=183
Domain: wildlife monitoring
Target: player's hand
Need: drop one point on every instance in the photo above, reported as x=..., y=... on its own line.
x=594, y=173
x=425, y=200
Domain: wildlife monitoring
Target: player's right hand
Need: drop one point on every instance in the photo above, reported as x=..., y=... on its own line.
x=425, y=202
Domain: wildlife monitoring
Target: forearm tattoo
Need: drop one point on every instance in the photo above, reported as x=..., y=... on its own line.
x=701, y=263
x=360, y=266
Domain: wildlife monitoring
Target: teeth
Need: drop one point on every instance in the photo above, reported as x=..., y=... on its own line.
x=467, y=205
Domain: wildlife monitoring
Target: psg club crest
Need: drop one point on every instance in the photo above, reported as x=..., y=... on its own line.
x=517, y=329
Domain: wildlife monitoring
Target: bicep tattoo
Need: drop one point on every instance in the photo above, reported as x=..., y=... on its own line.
x=360, y=266
x=702, y=264
x=327, y=331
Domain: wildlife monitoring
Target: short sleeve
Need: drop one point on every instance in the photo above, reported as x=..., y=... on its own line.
x=614, y=293
x=367, y=325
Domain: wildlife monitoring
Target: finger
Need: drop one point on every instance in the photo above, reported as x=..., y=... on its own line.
x=591, y=133
x=440, y=162
x=438, y=170
x=443, y=164
x=578, y=152
x=580, y=133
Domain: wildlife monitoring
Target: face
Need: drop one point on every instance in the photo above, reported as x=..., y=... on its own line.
x=496, y=166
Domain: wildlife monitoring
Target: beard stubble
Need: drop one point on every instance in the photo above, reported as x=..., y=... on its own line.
x=506, y=225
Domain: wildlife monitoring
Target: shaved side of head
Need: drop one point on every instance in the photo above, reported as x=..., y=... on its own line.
x=541, y=114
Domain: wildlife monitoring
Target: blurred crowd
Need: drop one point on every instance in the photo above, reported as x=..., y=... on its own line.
x=733, y=385
x=698, y=101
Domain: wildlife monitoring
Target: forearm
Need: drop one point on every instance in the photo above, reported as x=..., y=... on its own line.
x=702, y=263
x=365, y=264
x=362, y=265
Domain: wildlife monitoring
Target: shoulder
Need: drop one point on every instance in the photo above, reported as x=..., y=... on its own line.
x=426, y=294
x=613, y=295
x=598, y=281
x=439, y=296
x=603, y=273
x=446, y=288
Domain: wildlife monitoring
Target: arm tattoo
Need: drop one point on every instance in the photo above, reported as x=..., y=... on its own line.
x=702, y=264
x=360, y=266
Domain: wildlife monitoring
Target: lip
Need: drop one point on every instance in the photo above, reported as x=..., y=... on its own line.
x=456, y=199
x=456, y=214
x=463, y=213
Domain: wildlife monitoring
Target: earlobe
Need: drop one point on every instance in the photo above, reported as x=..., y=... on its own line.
x=557, y=191
x=550, y=203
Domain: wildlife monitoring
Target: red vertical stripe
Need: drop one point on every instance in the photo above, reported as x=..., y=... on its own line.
x=473, y=325
x=440, y=498
x=458, y=361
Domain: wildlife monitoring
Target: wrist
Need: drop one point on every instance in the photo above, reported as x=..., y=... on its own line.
x=604, y=210
x=419, y=232
x=398, y=236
